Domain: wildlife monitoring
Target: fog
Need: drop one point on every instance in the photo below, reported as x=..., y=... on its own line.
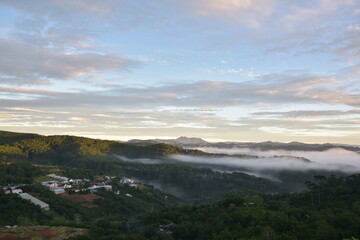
x=139, y=160
x=167, y=188
x=266, y=164
x=333, y=159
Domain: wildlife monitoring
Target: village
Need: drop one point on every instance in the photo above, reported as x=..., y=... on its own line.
x=64, y=186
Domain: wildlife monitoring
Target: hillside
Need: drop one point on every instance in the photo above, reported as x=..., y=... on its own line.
x=93, y=156
x=329, y=210
x=170, y=200
x=78, y=206
x=21, y=146
x=12, y=137
x=191, y=175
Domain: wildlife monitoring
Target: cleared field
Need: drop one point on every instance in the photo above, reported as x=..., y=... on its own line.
x=42, y=179
x=40, y=233
x=85, y=200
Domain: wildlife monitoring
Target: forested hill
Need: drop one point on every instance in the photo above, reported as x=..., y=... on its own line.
x=193, y=184
x=12, y=137
x=330, y=210
x=20, y=146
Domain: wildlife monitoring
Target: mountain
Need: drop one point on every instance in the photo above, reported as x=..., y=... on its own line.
x=192, y=140
x=292, y=146
x=181, y=142
x=263, y=146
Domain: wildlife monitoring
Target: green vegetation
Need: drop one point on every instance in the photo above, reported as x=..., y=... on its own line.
x=12, y=137
x=199, y=203
x=41, y=179
x=196, y=184
x=15, y=210
x=18, y=173
x=85, y=158
x=190, y=184
x=54, y=149
x=110, y=209
x=330, y=210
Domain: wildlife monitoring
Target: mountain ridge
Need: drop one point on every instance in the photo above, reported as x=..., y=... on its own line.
x=193, y=142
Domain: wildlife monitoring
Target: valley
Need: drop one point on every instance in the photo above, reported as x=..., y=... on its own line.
x=147, y=180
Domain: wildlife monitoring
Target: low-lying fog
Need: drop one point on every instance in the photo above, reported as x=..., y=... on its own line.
x=335, y=159
x=267, y=163
x=140, y=160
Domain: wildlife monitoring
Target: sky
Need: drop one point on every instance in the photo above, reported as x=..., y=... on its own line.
x=222, y=70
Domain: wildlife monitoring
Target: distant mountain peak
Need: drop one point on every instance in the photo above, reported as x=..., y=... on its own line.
x=295, y=143
x=190, y=140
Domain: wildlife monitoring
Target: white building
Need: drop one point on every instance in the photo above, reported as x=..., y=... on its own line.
x=126, y=181
x=34, y=200
x=107, y=187
x=76, y=181
x=95, y=188
x=50, y=184
x=57, y=177
x=58, y=190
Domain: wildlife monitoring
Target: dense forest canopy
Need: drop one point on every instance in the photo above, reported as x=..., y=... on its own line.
x=188, y=202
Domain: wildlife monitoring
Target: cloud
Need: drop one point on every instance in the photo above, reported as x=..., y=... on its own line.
x=34, y=110
x=275, y=89
x=46, y=42
x=249, y=12
x=78, y=24
x=318, y=27
x=79, y=119
x=175, y=109
x=23, y=61
x=297, y=28
x=266, y=165
x=332, y=159
x=57, y=40
x=305, y=27
x=31, y=91
x=308, y=114
x=6, y=115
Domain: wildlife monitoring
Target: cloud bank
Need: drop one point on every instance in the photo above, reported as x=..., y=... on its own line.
x=128, y=69
x=335, y=159
x=268, y=164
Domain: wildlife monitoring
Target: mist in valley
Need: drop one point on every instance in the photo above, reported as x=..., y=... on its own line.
x=332, y=159
x=289, y=168
x=265, y=163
